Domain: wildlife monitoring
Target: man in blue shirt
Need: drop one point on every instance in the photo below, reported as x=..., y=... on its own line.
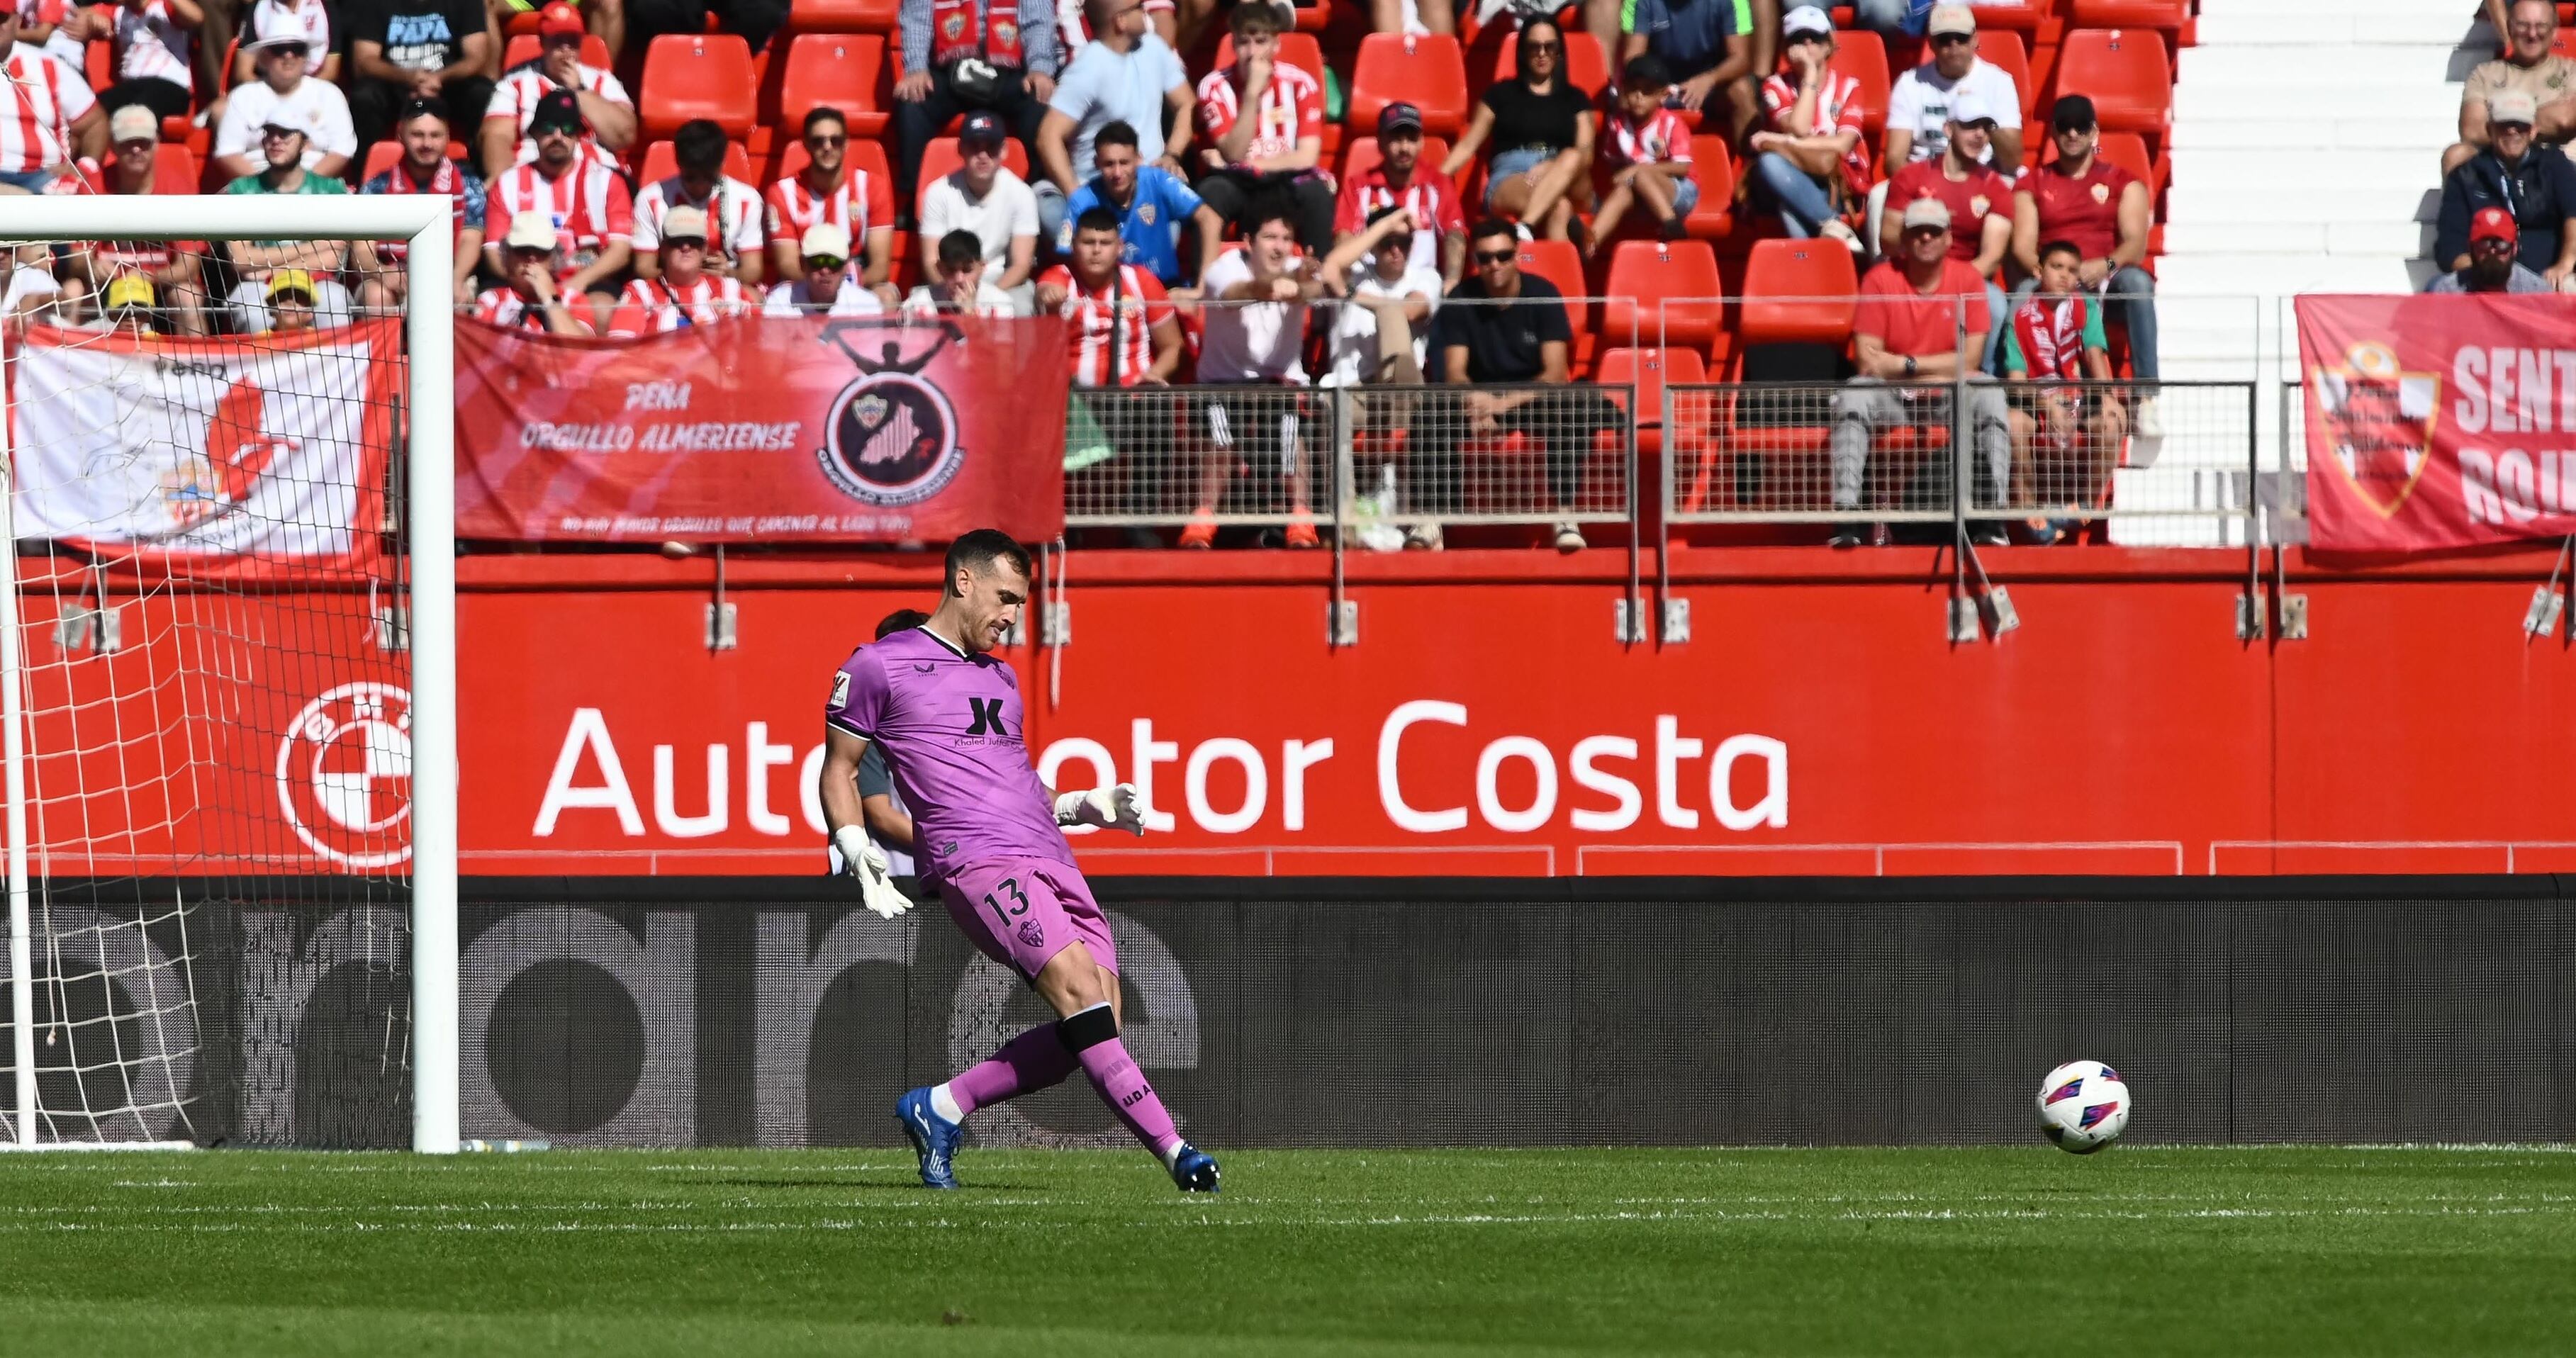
x=1152, y=204
x=1124, y=74
x=1708, y=46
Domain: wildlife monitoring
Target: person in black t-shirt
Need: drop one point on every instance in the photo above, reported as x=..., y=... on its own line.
x=1500, y=328
x=401, y=50
x=1539, y=128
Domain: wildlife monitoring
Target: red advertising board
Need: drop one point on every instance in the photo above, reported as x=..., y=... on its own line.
x=874, y=430
x=2438, y=422
x=1486, y=722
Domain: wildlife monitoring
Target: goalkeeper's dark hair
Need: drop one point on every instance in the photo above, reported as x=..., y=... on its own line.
x=900, y=620
x=978, y=550
x=699, y=145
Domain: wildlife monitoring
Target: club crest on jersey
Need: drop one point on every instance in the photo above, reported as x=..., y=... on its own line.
x=2378, y=419
x=2101, y=193
x=1977, y=206
x=841, y=689
x=1031, y=936
x=1145, y=213
x=891, y=436
x=344, y=775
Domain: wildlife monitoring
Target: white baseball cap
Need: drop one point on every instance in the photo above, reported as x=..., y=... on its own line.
x=1968, y=106
x=1806, y=19
x=826, y=241
x=530, y=231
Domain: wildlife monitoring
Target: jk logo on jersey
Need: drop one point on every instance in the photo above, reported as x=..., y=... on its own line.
x=988, y=717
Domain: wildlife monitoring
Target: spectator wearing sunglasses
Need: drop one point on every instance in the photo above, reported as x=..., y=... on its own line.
x=1918, y=106
x=830, y=191
x=504, y=139
x=822, y=284
x=285, y=94
x=307, y=19
x=1538, y=128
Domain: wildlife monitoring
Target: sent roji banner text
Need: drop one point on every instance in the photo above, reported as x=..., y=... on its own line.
x=206, y=456
x=763, y=430
x=2438, y=422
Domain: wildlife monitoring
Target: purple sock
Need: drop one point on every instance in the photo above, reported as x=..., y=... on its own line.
x=1122, y=1086
x=1032, y=1061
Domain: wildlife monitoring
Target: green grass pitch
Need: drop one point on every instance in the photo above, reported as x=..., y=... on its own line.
x=1996, y=1250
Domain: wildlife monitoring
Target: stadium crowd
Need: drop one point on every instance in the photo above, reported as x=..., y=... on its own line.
x=1191, y=182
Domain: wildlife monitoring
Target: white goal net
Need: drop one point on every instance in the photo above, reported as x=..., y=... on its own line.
x=224, y=679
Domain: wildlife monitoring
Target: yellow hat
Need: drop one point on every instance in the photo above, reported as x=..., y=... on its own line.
x=292, y=280
x=130, y=290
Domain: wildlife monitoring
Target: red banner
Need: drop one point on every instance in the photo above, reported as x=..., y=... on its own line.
x=2438, y=421
x=805, y=430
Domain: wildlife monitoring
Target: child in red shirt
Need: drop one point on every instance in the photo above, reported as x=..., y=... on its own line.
x=1652, y=145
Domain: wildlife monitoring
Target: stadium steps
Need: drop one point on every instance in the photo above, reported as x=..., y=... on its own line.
x=2369, y=94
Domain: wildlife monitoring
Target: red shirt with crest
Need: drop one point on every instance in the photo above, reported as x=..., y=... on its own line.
x=2081, y=208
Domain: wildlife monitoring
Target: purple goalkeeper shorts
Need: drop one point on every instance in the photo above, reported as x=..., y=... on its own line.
x=1022, y=911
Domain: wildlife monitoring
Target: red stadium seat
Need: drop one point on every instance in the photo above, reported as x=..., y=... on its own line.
x=2004, y=51
x=382, y=156
x=1648, y=370
x=2020, y=15
x=1427, y=72
x=176, y=159
x=2166, y=15
x=2125, y=73
x=940, y=157
x=528, y=47
x=1585, y=63
x=702, y=75
x=846, y=71
x=1713, y=169
x=658, y=163
x=842, y=16
x=1296, y=49
x=1560, y=263
x=1798, y=292
x=1661, y=295
x=1863, y=57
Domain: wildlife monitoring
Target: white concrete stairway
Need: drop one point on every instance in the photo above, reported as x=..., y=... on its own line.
x=2305, y=157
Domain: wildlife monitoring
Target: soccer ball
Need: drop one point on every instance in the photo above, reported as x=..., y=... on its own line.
x=2083, y=1106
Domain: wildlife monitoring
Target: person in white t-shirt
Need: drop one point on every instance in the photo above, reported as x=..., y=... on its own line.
x=984, y=197
x=56, y=26
x=964, y=287
x=1255, y=332
x=288, y=97
x=1918, y=107
x=1383, y=335
x=828, y=286
x=278, y=18
x=154, y=46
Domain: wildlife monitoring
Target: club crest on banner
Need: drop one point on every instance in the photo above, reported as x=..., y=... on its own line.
x=344, y=775
x=217, y=478
x=2378, y=421
x=891, y=436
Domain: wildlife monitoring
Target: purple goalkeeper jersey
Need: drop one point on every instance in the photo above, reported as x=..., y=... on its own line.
x=949, y=724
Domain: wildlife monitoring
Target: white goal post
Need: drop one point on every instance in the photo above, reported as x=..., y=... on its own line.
x=425, y=222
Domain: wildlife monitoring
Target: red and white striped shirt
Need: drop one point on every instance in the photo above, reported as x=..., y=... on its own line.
x=1663, y=139
x=863, y=202
x=653, y=306
x=1291, y=108
x=733, y=216
x=589, y=205
x=150, y=45
x=520, y=87
x=1142, y=305
x=1429, y=195
x=1837, y=111
x=505, y=307
x=45, y=98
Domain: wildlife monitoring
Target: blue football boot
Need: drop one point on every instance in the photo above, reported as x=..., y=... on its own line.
x=1194, y=1170
x=934, y=1138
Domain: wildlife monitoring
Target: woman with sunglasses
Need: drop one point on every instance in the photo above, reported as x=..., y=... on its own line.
x=1540, y=128
x=1808, y=165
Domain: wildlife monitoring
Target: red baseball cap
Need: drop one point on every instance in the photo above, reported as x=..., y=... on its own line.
x=559, y=19
x=2493, y=223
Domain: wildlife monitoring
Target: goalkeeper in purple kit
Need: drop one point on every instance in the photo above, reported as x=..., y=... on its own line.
x=946, y=715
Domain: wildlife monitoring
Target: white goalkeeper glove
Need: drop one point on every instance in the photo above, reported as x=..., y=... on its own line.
x=861, y=858
x=1119, y=808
